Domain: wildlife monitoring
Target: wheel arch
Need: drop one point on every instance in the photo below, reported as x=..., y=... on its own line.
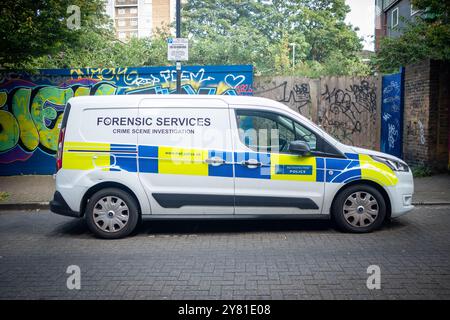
x=373, y=184
x=103, y=185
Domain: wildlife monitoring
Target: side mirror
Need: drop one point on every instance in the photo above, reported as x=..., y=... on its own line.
x=299, y=147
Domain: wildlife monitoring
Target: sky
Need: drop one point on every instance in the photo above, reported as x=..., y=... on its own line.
x=362, y=15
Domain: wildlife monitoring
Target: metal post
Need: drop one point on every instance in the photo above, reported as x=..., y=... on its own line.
x=178, y=35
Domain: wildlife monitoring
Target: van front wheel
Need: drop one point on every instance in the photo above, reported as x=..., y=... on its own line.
x=359, y=208
x=112, y=213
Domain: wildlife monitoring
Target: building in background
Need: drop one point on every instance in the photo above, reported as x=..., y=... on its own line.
x=391, y=17
x=139, y=18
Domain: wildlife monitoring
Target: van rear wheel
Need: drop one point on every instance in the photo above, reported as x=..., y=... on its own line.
x=112, y=213
x=359, y=209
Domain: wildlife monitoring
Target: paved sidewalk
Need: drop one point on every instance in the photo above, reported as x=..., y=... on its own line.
x=39, y=189
x=26, y=189
x=434, y=189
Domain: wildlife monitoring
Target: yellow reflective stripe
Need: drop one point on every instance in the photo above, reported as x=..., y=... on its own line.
x=78, y=156
x=182, y=161
x=376, y=171
x=294, y=160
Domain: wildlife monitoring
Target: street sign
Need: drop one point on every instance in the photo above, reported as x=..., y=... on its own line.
x=177, y=49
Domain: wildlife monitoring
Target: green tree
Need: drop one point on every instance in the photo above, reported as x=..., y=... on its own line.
x=257, y=32
x=317, y=27
x=105, y=51
x=32, y=29
x=426, y=37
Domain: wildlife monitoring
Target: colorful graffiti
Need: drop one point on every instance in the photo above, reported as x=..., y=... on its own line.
x=32, y=106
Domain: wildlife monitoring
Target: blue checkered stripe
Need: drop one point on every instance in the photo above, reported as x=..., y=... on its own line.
x=123, y=157
x=342, y=170
x=331, y=170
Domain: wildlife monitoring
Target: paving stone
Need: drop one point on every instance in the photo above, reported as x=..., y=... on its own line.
x=225, y=259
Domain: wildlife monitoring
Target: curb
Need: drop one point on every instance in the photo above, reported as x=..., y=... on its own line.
x=431, y=203
x=25, y=206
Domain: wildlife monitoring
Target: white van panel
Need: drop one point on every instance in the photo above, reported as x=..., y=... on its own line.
x=185, y=128
x=95, y=153
x=174, y=159
x=108, y=125
x=211, y=102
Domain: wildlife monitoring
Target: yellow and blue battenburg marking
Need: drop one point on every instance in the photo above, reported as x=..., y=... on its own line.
x=123, y=157
x=105, y=156
x=342, y=170
x=186, y=161
x=171, y=160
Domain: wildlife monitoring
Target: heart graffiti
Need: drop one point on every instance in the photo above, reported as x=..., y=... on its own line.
x=234, y=81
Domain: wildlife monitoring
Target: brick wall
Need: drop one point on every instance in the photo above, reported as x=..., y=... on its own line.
x=426, y=114
x=444, y=114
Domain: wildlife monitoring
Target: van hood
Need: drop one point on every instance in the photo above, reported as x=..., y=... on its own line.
x=375, y=153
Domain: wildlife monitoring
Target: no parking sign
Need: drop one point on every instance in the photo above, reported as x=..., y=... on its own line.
x=177, y=49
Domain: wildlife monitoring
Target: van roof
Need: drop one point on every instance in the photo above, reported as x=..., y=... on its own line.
x=135, y=99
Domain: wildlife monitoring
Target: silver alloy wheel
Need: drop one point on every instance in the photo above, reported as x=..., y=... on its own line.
x=111, y=214
x=361, y=209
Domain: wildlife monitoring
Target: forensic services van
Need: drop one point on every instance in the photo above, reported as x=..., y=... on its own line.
x=124, y=158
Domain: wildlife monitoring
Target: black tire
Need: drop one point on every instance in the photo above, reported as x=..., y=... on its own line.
x=132, y=212
x=344, y=224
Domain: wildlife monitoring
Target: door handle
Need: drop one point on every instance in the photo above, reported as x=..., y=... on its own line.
x=215, y=161
x=252, y=163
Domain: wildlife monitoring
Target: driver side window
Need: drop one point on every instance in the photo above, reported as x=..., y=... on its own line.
x=270, y=132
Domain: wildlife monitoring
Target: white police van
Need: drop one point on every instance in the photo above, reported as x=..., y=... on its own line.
x=123, y=158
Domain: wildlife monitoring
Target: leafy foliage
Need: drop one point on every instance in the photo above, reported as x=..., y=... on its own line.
x=104, y=51
x=263, y=32
x=421, y=171
x=4, y=196
x=257, y=32
x=35, y=28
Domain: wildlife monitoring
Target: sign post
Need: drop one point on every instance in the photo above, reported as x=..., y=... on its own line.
x=178, y=50
x=178, y=31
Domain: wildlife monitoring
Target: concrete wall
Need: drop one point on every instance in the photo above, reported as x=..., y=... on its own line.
x=346, y=107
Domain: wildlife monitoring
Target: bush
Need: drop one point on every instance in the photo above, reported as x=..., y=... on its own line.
x=421, y=171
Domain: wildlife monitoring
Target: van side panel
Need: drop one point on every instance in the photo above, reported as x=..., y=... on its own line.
x=100, y=146
x=176, y=155
x=293, y=184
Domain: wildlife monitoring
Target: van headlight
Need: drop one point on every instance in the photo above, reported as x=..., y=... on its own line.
x=394, y=165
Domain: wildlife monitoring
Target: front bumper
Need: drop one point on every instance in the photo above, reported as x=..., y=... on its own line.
x=59, y=205
x=401, y=194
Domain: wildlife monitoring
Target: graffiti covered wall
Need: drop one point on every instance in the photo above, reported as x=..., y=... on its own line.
x=346, y=107
x=300, y=94
x=349, y=112
x=32, y=106
x=392, y=114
